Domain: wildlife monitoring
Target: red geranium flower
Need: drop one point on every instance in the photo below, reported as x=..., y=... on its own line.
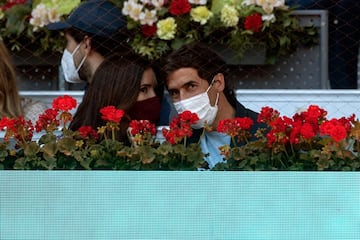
x=148, y=30
x=253, y=22
x=64, y=103
x=267, y=114
x=235, y=126
x=334, y=129
x=22, y=130
x=178, y=7
x=111, y=114
x=47, y=121
x=142, y=127
x=88, y=132
x=180, y=127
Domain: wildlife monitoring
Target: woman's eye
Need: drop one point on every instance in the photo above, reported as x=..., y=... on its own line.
x=143, y=90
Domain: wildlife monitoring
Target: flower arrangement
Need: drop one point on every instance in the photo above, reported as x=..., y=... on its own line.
x=161, y=26
x=23, y=23
x=307, y=141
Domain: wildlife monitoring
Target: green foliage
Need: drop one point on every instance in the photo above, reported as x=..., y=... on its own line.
x=71, y=153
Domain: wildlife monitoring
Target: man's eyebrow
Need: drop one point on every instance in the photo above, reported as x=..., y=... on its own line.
x=184, y=84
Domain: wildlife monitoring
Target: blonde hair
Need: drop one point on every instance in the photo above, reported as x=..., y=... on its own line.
x=10, y=104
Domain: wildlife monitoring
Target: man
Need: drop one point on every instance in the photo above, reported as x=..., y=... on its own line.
x=196, y=81
x=93, y=30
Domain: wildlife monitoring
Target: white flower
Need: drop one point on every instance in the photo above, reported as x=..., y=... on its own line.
x=229, y=16
x=268, y=18
x=198, y=2
x=40, y=16
x=135, y=11
x=268, y=8
x=132, y=9
x=158, y=3
x=201, y=14
x=248, y=2
x=148, y=17
x=127, y=8
x=279, y=3
x=166, y=28
x=53, y=15
x=269, y=5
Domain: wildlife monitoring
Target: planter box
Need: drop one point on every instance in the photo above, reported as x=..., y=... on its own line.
x=179, y=205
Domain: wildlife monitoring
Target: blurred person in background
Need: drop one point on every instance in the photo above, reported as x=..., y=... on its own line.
x=11, y=104
x=127, y=82
x=94, y=30
x=344, y=37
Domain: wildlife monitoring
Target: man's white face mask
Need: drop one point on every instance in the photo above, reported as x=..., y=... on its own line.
x=71, y=73
x=200, y=104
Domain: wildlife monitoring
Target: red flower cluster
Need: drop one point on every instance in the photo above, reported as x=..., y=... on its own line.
x=267, y=115
x=142, y=127
x=337, y=129
x=178, y=7
x=236, y=127
x=64, y=103
x=180, y=127
x=88, y=132
x=47, y=121
x=303, y=126
x=19, y=128
x=253, y=22
x=111, y=114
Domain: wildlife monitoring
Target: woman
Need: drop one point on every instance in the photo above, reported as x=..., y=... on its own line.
x=11, y=105
x=126, y=82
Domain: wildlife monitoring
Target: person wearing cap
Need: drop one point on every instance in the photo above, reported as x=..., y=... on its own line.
x=93, y=31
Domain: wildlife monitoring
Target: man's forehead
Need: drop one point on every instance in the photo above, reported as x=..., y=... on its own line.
x=182, y=76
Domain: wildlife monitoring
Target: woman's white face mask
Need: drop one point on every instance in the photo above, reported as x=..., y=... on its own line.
x=200, y=104
x=71, y=73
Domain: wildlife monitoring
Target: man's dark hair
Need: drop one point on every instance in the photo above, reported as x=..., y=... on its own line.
x=200, y=57
x=118, y=43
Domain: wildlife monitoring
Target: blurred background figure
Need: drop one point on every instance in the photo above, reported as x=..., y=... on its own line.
x=11, y=105
x=94, y=30
x=344, y=35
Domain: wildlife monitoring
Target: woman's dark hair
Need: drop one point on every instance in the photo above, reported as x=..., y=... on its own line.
x=116, y=82
x=200, y=57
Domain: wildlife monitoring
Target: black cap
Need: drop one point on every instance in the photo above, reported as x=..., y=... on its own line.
x=98, y=17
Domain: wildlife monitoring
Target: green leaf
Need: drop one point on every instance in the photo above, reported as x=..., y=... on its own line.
x=31, y=149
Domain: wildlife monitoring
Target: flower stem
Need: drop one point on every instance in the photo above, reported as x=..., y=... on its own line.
x=113, y=133
x=233, y=141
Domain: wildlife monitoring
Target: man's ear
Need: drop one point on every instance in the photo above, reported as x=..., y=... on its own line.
x=219, y=82
x=87, y=44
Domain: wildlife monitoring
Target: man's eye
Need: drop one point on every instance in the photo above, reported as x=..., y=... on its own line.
x=191, y=86
x=173, y=93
